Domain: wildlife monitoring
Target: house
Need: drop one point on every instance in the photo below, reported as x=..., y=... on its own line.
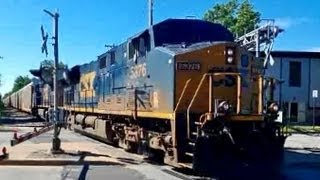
x=300, y=76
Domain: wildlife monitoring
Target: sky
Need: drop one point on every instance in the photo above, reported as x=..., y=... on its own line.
x=85, y=26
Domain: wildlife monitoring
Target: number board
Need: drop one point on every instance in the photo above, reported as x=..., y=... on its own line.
x=188, y=66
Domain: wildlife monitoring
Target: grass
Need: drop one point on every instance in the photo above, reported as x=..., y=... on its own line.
x=304, y=129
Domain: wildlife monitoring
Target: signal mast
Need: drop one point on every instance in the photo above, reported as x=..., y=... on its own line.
x=262, y=36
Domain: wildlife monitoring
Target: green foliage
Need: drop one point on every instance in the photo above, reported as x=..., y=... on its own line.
x=50, y=63
x=6, y=95
x=239, y=18
x=303, y=129
x=20, y=82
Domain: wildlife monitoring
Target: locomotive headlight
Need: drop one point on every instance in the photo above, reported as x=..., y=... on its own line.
x=223, y=106
x=230, y=52
x=230, y=60
x=274, y=107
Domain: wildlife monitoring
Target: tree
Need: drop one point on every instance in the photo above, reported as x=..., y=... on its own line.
x=20, y=82
x=6, y=95
x=239, y=18
x=50, y=63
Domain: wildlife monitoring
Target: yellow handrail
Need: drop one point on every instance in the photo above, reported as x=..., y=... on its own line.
x=182, y=94
x=210, y=95
x=193, y=98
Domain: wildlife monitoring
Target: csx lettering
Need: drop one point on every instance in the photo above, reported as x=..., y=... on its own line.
x=137, y=71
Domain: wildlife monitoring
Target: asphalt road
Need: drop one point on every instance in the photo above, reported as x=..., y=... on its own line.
x=82, y=172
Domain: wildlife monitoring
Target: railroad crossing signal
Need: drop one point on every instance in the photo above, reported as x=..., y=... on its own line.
x=44, y=42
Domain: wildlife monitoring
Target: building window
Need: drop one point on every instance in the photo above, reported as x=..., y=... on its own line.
x=295, y=74
x=102, y=63
x=294, y=112
x=112, y=57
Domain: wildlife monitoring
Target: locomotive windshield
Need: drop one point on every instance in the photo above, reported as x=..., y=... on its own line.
x=176, y=31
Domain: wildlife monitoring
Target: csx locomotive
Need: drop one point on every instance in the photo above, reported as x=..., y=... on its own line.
x=182, y=90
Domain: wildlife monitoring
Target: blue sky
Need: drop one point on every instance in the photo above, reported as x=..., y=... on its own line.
x=87, y=25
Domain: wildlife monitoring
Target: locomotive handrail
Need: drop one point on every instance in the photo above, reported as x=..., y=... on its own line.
x=191, y=102
x=182, y=94
x=198, y=89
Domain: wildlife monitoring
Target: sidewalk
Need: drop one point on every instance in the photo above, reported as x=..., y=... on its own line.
x=78, y=151
x=303, y=141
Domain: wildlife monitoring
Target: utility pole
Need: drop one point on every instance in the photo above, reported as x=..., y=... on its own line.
x=150, y=10
x=55, y=141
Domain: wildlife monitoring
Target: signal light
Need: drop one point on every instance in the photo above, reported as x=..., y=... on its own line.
x=230, y=60
x=230, y=52
x=229, y=55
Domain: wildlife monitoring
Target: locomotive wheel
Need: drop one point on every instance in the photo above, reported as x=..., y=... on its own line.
x=155, y=155
x=128, y=146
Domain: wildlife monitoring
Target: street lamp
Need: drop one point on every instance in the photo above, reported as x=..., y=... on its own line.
x=56, y=143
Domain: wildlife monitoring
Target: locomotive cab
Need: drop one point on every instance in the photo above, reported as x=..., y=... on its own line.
x=219, y=91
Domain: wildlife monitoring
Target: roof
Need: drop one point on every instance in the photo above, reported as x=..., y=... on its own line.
x=180, y=48
x=296, y=54
x=173, y=31
x=293, y=54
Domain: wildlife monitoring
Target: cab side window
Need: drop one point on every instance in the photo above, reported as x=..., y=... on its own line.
x=139, y=46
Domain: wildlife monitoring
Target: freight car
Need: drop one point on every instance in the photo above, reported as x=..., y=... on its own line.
x=23, y=99
x=182, y=89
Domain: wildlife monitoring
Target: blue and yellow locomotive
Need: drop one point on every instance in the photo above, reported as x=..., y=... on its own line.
x=182, y=89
